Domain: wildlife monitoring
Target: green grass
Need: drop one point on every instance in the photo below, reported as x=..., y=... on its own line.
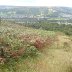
x=52, y=54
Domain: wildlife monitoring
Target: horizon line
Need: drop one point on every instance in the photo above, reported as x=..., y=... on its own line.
x=33, y=6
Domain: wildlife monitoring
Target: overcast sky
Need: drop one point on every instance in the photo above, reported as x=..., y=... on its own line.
x=67, y=3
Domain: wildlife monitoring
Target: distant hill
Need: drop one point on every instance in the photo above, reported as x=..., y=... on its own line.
x=36, y=13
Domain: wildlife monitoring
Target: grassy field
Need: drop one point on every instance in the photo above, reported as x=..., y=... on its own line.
x=24, y=49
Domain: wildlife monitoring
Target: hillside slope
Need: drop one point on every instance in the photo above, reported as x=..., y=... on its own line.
x=34, y=50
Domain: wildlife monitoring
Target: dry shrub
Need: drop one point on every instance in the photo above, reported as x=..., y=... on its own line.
x=41, y=43
x=18, y=53
x=2, y=60
x=36, y=40
x=32, y=40
x=28, y=37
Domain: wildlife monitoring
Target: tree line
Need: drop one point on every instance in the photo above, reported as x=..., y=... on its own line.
x=66, y=28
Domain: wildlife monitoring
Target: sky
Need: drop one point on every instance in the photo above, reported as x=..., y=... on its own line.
x=65, y=3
